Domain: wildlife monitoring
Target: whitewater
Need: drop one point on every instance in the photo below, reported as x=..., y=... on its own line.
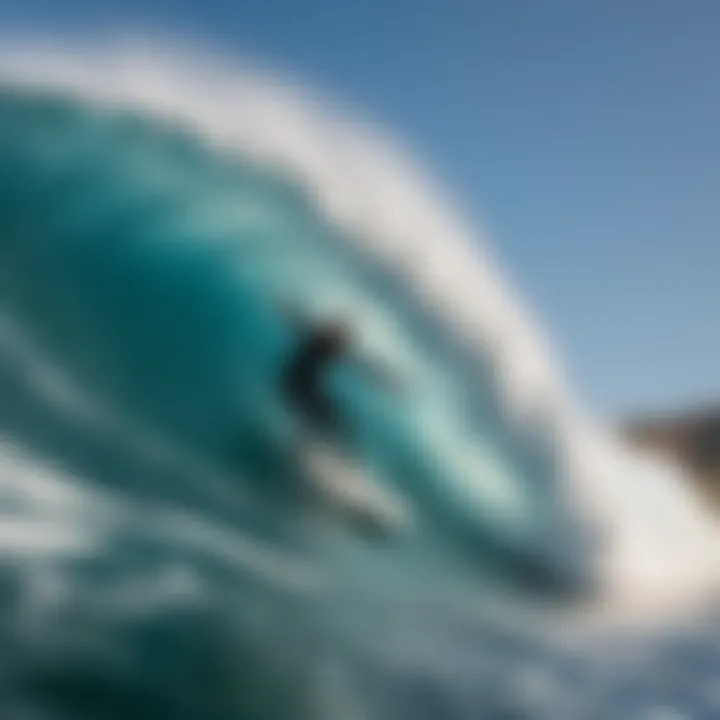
x=168, y=553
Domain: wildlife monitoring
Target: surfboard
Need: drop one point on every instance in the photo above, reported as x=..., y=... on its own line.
x=348, y=489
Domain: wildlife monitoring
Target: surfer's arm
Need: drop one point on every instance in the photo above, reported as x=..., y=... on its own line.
x=379, y=373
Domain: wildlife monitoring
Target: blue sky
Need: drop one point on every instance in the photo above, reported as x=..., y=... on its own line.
x=584, y=135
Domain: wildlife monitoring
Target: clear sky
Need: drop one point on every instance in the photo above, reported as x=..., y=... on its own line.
x=585, y=135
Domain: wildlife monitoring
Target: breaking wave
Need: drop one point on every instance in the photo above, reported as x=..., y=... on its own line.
x=171, y=552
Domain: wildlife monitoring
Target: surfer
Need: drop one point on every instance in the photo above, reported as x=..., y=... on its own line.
x=321, y=346
x=336, y=475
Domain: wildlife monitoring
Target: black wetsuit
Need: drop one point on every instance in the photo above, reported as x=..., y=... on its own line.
x=304, y=374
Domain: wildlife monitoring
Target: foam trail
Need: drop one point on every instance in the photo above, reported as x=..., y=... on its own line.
x=162, y=204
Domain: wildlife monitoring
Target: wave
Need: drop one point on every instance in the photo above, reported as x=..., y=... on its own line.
x=160, y=210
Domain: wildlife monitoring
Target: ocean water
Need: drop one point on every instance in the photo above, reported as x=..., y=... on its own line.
x=169, y=547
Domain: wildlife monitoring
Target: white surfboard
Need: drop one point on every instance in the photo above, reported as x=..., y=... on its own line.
x=348, y=490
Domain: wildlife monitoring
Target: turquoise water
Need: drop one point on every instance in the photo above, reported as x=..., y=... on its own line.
x=167, y=554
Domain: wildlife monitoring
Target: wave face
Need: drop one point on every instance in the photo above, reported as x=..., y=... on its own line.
x=171, y=552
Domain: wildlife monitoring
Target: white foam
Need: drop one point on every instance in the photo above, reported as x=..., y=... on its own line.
x=664, y=544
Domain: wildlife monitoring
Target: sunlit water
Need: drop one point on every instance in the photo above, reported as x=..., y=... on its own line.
x=166, y=551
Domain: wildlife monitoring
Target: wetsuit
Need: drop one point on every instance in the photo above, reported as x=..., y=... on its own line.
x=304, y=374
